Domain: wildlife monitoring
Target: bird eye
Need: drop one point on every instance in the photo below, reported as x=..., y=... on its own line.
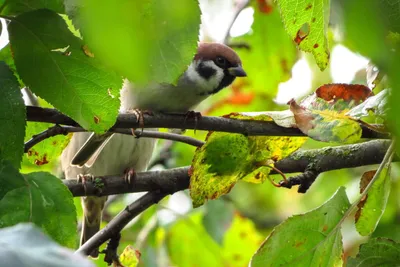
x=221, y=62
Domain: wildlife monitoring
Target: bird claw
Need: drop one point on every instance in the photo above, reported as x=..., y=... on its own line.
x=130, y=175
x=84, y=178
x=139, y=118
x=193, y=115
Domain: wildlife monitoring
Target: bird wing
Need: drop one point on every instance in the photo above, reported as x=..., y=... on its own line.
x=91, y=149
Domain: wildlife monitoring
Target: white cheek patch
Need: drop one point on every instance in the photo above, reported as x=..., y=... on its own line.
x=203, y=85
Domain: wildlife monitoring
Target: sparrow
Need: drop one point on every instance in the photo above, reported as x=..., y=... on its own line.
x=214, y=67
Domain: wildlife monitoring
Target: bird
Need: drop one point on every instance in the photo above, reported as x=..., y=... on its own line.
x=214, y=67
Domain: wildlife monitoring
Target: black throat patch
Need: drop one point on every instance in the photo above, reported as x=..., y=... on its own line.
x=205, y=71
x=226, y=81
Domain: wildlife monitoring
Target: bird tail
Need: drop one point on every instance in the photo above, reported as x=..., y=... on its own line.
x=92, y=213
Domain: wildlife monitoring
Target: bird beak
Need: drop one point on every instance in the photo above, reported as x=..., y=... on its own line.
x=237, y=71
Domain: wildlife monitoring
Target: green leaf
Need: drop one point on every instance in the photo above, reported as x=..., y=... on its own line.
x=15, y=7
x=394, y=100
x=147, y=41
x=5, y=55
x=24, y=245
x=48, y=150
x=227, y=158
x=217, y=166
x=320, y=122
x=307, y=21
x=202, y=251
x=59, y=68
x=268, y=56
x=372, y=207
x=218, y=218
x=40, y=198
x=310, y=239
x=380, y=252
x=130, y=257
x=12, y=119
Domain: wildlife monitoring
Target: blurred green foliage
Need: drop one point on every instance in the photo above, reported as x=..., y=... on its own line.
x=154, y=41
x=147, y=41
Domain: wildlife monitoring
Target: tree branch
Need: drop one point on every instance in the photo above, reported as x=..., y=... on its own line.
x=162, y=183
x=177, y=121
x=173, y=180
x=52, y=131
x=121, y=220
x=57, y=130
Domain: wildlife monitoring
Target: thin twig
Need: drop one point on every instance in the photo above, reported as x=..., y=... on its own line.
x=239, y=45
x=162, y=135
x=163, y=155
x=52, y=131
x=57, y=130
x=121, y=220
x=240, y=6
x=145, y=231
x=176, y=121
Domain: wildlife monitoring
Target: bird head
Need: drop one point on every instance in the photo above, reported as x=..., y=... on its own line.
x=214, y=67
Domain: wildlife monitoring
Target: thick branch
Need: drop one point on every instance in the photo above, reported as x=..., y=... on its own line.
x=162, y=183
x=334, y=158
x=177, y=179
x=171, y=180
x=177, y=121
x=121, y=220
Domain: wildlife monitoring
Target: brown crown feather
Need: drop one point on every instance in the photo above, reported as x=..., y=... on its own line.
x=211, y=51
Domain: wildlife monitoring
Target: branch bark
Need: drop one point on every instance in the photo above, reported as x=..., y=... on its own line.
x=123, y=218
x=181, y=121
x=170, y=181
x=173, y=180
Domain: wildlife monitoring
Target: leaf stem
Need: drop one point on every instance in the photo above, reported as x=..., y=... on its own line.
x=279, y=172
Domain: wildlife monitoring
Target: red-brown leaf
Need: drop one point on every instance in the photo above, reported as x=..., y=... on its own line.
x=347, y=92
